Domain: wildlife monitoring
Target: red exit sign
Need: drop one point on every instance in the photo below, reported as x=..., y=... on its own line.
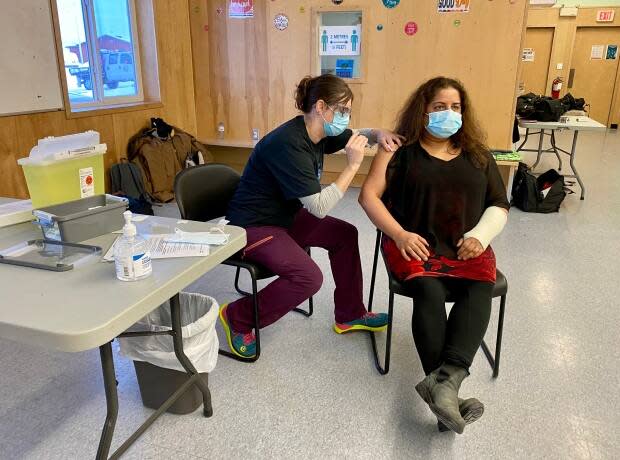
x=604, y=15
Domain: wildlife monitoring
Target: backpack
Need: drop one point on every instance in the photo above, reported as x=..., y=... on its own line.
x=548, y=109
x=543, y=194
x=570, y=103
x=126, y=180
x=161, y=153
x=526, y=105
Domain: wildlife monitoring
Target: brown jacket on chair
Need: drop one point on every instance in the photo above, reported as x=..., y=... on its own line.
x=161, y=159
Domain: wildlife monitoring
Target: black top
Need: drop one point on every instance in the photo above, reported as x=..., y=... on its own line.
x=284, y=166
x=441, y=200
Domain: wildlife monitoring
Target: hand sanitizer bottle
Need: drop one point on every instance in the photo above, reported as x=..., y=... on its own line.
x=132, y=260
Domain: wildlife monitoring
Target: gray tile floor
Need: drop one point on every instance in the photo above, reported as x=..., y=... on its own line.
x=314, y=394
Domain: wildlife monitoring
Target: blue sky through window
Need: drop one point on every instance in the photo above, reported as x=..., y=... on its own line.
x=112, y=19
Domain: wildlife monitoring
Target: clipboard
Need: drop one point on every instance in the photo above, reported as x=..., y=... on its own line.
x=51, y=255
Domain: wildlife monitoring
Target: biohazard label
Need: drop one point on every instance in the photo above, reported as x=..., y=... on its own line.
x=87, y=182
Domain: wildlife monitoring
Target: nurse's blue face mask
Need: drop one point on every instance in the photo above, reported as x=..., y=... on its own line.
x=339, y=123
x=444, y=123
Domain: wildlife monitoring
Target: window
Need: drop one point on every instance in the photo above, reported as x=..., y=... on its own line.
x=106, y=29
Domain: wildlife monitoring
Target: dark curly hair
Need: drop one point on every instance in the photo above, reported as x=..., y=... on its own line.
x=470, y=138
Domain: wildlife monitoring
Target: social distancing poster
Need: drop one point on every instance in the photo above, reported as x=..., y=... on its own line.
x=340, y=40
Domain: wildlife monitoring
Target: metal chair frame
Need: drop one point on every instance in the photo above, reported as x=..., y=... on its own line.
x=226, y=178
x=254, y=270
x=396, y=287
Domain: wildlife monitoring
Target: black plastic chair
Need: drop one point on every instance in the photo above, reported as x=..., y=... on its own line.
x=203, y=193
x=397, y=287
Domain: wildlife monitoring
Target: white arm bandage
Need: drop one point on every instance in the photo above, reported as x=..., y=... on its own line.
x=489, y=226
x=320, y=204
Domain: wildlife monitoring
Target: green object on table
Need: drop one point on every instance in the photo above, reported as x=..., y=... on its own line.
x=507, y=156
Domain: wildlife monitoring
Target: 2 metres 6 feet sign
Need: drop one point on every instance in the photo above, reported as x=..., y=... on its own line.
x=339, y=40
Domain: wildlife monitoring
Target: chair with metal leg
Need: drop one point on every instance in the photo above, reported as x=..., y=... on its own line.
x=397, y=287
x=203, y=193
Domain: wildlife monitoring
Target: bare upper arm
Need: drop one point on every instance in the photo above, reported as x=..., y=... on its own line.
x=375, y=182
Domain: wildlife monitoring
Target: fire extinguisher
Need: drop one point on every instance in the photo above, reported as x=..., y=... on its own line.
x=556, y=86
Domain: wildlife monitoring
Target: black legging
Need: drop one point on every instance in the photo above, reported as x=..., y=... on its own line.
x=454, y=339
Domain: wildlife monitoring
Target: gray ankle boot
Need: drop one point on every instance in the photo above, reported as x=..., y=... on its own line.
x=471, y=410
x=440, y=391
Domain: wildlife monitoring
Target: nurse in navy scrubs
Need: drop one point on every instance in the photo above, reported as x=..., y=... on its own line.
x=282, y=206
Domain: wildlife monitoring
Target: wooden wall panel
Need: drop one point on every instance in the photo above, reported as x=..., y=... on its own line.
x=11, y=183
x=234, y=91
x=246, y=70
x=174, y=50
x=289, y=58
x=200, y=24
x=18, y=134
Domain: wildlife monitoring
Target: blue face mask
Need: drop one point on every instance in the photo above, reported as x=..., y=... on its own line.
x=337, y=126
x=444, y=124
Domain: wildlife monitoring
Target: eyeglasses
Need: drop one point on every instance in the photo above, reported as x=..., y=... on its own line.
x=341, y=109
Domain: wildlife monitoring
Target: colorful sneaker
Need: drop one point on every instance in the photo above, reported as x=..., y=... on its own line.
x=369, y=322
x=242, y=345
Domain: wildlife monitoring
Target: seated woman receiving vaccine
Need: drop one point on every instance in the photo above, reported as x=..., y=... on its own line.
x=439, y=201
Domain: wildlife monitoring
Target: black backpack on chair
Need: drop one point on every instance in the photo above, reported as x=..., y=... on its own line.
x=543, y=194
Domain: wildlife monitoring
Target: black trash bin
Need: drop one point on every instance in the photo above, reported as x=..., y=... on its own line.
x=158, y=383
x=158, y=371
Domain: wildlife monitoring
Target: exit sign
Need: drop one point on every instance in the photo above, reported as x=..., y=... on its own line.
x=604, y=15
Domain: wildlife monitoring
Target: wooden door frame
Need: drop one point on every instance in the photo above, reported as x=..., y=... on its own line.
x=615, y=104
x=550, y=66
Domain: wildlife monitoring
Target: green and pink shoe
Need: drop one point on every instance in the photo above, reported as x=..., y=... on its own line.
x=242, y=345
x=373, y=322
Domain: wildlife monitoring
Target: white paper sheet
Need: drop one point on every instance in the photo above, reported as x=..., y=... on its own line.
x=161, y=249
x=597, y=51
x=527, y=55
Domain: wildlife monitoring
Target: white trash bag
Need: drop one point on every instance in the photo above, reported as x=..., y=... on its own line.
x=200, y=343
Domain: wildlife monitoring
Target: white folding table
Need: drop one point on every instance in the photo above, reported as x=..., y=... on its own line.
x=584, y=124
x=87, y=307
